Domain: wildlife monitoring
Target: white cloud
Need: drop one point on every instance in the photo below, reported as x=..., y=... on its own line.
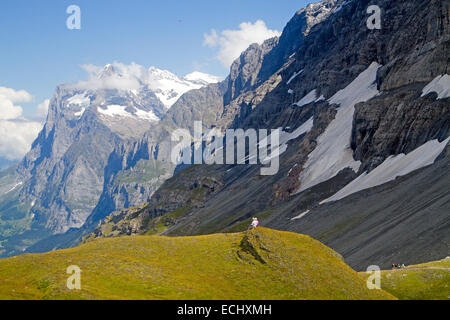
x=111, y=80
x=91, y=69
x=231, y=43
x=42, y=109
x=167, y=86
x=125, y=76
x=16, y=133
x=8, y=110
x=8, y=98
x=16, y=137
x=15, y=96
x=116, y=76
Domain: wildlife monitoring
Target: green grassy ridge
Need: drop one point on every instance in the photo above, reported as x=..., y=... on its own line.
x=427, y=281
x=259, y=264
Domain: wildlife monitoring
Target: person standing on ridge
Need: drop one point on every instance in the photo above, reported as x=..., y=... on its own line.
x=255, y=224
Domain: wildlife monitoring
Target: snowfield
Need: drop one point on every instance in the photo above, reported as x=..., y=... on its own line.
x=309, y=98
x=301, y=215
x=80, y=113
x=14, y=187
x=80, y=99
x=294, y=76
x=393, y=167
x=169, y=88
x=333, y=153
x=285, y=137
x=440, y=85
x=120, y=111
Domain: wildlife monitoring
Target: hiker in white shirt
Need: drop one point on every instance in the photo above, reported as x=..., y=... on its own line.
x=255, y=223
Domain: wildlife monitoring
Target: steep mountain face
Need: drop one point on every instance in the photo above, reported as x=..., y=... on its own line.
x=260, y=62
x=366, y=118
x=60, y=181
x=136, y=170
x=294, y=34
x=244, y=70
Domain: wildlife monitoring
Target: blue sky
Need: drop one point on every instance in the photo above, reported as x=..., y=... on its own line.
x=39, y=52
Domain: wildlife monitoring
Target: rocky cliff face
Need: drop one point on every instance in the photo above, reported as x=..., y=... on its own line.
x=135, y=170
x=379, y=103
x=245, y=70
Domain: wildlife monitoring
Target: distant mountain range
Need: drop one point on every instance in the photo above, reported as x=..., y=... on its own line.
x=59, y=182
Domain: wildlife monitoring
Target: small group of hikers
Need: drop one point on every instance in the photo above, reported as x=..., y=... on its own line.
x=398, y=266
x=255, y=224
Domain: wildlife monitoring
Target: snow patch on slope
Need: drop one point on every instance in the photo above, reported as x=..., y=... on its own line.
x=342, y=5
x=440, y=85
x=294, y=76
x=285, y=137
x=14, y=187
x=309, y=98
x=114, y=111
x=333, y=153
x=393, y=167
x=120, y=111
x=79, y=100
x=146, y=115
x=80, y=113
x=301, y=215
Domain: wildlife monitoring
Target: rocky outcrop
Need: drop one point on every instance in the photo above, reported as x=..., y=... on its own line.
x=398, y=121
x=172, y=201
x=294, y=34
x=245, y=70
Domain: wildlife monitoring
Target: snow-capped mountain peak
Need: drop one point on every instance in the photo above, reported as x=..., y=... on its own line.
x=107, y=72
x=169, y=87
x=119, y=92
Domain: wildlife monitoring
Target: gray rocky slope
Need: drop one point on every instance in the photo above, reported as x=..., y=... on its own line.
x=403, y=219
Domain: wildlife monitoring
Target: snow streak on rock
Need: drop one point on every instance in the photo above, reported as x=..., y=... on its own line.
x=393, y=167
x=440, y=85
x=333, y=153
